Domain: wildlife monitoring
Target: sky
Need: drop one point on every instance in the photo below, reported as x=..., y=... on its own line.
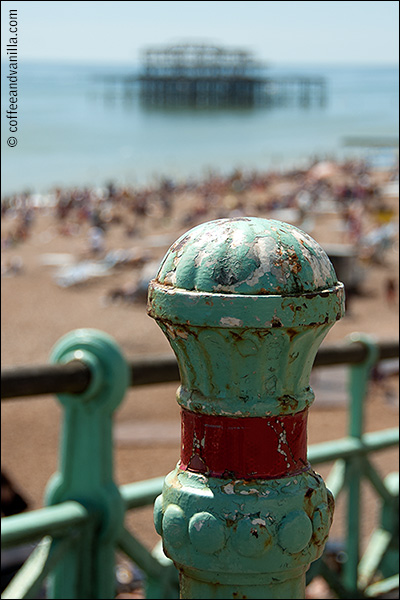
x=278, y=32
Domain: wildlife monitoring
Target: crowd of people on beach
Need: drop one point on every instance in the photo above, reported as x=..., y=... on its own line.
x=348, y=186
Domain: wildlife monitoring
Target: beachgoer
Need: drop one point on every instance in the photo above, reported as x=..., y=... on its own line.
x=390, y=291
x=96, y=240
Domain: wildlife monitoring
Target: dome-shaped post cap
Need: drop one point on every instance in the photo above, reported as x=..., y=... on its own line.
x=246, y=272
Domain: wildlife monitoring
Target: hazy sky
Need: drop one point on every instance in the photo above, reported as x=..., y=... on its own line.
x=278, y=32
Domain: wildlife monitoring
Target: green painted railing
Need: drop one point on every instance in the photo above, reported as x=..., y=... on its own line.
x=245, y=304
x=79, y=533
x=352, y=466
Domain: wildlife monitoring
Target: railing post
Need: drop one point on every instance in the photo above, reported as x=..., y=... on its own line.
x=85, y=472
x=359, y=375
x=245, y=304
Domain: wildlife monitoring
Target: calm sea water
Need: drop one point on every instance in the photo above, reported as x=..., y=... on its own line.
x=71, y=133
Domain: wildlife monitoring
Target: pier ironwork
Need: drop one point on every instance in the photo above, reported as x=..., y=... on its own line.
x=207, y=76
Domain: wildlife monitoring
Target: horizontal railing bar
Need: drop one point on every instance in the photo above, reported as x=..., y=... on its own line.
x=70, y=378
x=74, y=377
x=141, y=493
x=52, y=520
x=342, y=353
x=154, y=369
x=351, y=446
x=58, y=520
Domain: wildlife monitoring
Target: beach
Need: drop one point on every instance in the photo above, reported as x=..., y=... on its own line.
x=82, y=259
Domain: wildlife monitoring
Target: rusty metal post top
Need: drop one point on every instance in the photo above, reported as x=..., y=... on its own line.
x=217, y=270
x=245, y=304
x=247, y=255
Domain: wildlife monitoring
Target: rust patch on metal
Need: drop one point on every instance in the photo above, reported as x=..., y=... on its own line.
x=230, y=522
x=179, y=245
x=291, y=333
x=308, y=502
x=294, y=262
x=331, y=502
x=237, y=335
x=261, y=333
x=288, y=402
x=268, y=542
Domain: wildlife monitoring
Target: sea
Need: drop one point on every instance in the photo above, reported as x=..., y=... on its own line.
x=75, y=129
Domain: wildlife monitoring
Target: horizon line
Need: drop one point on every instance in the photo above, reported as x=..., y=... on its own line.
x=127, y=62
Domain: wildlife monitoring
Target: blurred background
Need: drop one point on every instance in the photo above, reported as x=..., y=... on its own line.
x=78, y=126
x=139, y=120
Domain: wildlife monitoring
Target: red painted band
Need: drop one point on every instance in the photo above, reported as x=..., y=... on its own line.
x=244, y=448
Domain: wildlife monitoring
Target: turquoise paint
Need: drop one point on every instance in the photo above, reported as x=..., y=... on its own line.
x=247, y=255
x=355, y=470
x=243, y=524
x=85, y=472
x=245, y=304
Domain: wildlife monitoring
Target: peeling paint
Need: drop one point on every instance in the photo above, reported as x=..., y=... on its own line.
x=253, y=256
x=320, y=264
x=229, y=488
x=231, y=322
x=181, y=333
x=259, y=522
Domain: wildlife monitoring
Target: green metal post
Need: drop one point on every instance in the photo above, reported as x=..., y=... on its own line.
x=358, y=382
x=389, y=564
x=358, y=386
x=245, y=304
x=86, y=466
